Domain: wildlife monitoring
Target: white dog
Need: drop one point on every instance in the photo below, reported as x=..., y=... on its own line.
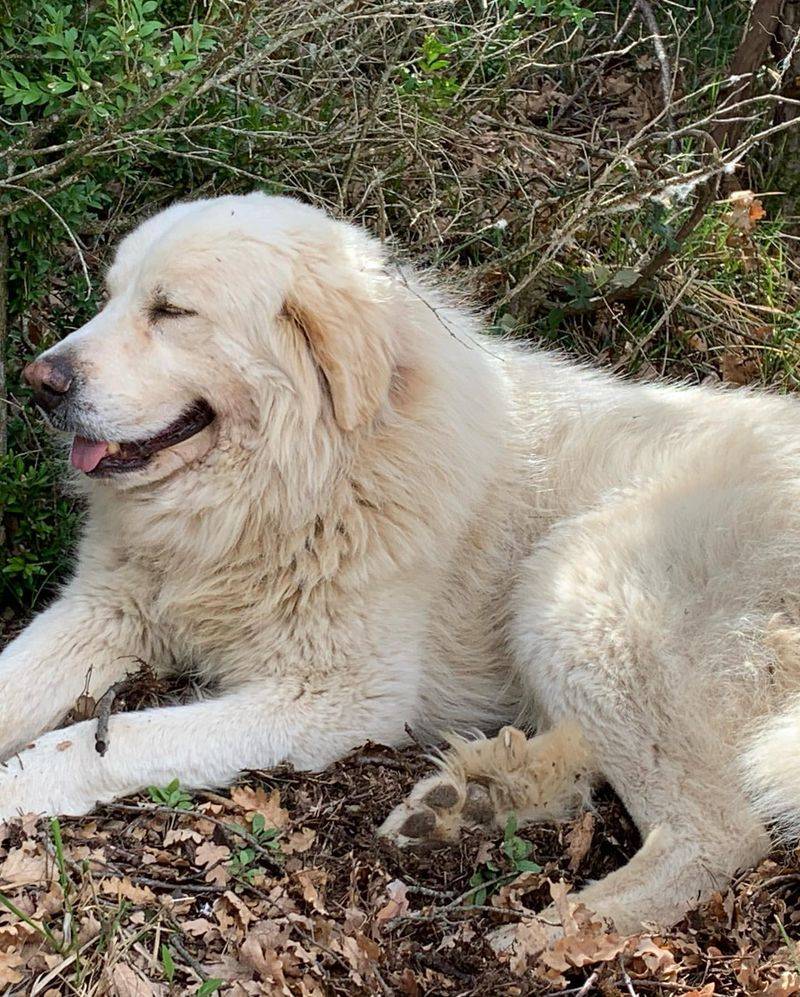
x=311, y=479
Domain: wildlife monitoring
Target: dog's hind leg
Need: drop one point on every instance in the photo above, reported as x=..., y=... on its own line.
x=678, y=866
x=618, y=636
x=485, y=781
x=636, y=650
x=698, y=830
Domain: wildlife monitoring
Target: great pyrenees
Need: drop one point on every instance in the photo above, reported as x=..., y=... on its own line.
x=314, y=481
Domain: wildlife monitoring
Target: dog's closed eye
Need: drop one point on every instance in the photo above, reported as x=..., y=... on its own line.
x=162, y=308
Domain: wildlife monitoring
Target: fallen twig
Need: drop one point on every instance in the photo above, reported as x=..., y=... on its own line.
x=103, y=713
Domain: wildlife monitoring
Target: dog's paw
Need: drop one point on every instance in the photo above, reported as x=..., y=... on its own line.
x=483, y=781
x=437, y=810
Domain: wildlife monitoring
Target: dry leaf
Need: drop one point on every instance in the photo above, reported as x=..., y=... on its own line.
x=579, y=839
x=738, y=368
x=198, y=926
x=14, y=935
x=125, y=982
x=359, y=951
x=241, y=912
x=787, y=986
x=397, y=904
x=26, y=866
x=310, y=880
x=256, y=801
x=510, y=894
x=657, y=960
x=84, y=708
x=298, y=842
x=212, y=857
x=746, y=211
x=521, y=943
x=181, y=834
x=9, y=968
x=123, y=887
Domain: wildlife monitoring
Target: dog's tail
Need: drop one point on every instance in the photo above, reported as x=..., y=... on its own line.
x=772, y=771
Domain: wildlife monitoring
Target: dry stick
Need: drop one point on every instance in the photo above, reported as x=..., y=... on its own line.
x=656, y=262
x=227, y=829
x=369, y=118
x=207, y=70
x=590, y=982
x=626, y=978
x=103, y=711
x=661, y=54
x=73, y=238
x=747, y=59
x=414, y=738
x=187, y=956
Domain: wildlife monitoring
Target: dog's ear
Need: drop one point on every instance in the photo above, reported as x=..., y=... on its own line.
x=348, y=327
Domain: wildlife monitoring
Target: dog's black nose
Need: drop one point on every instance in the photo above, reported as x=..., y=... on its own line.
x=51, y=379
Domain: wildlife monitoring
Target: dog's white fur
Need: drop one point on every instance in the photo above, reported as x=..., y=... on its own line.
x=394, y=521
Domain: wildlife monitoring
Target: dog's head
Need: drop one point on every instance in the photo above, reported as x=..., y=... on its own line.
x=241, y=323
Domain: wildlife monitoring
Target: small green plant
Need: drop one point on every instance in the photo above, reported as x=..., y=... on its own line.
x=244, y=864
x=565, y=10
x=58, y=846
x=171, y=796
x=485, y=880
x=167, y=963
x=518, y=849
x=432, y=73
x=209, y=986
x=489, y=877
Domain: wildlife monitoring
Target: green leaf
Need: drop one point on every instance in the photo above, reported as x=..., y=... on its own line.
x=209, y=986
x=167, y=963
x=149, y=28
x=525, y=865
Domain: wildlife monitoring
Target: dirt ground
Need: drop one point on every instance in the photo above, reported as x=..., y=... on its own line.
x=279, y=886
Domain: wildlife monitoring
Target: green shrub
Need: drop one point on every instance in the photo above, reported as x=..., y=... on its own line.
x=518, y=141
x=39, y=526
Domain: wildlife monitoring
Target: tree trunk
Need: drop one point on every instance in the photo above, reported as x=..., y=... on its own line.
x=760, y=32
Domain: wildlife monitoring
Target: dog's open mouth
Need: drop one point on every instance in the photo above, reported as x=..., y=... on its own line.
x=100, y=457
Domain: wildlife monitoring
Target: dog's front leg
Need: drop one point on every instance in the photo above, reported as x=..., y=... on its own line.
x=204, y=743
x=85, y=641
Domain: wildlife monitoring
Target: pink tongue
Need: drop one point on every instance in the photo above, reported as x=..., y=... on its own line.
x=87, y=454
